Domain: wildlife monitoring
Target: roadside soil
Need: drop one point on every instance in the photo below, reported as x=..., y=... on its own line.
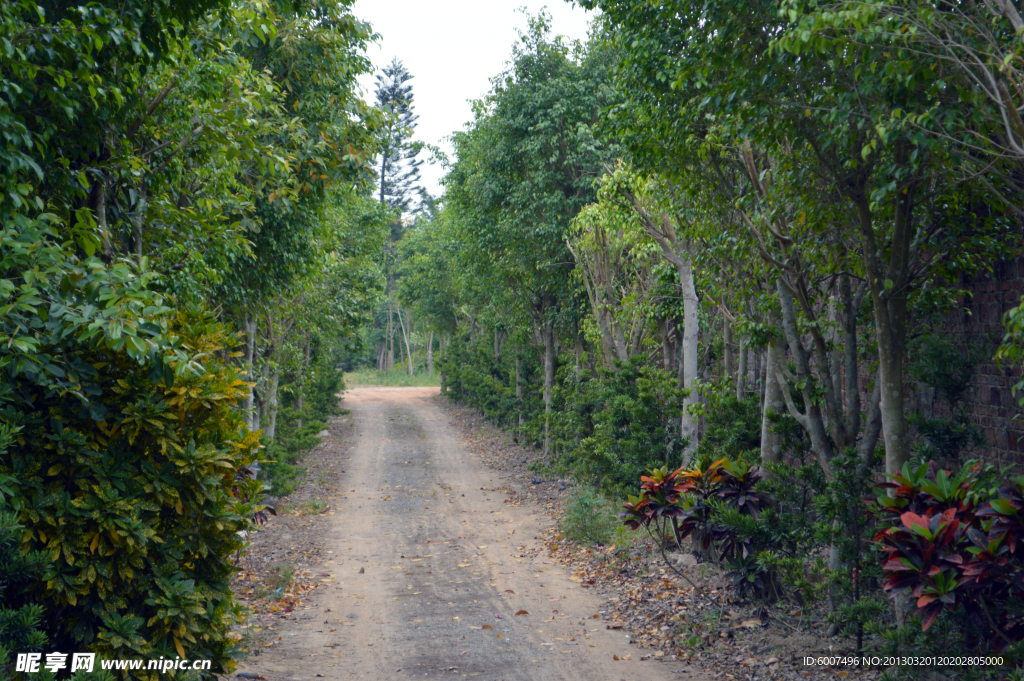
x=665, y=617
x=421, y=560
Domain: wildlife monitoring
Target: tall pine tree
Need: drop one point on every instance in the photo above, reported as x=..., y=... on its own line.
x=399, y=167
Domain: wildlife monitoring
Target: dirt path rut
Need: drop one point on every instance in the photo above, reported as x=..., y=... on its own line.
x=428, y=578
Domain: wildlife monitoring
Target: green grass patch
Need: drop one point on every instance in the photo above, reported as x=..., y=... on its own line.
x=395, y=377
x=590, y=518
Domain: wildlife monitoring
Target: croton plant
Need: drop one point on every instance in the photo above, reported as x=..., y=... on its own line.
x=952, y=543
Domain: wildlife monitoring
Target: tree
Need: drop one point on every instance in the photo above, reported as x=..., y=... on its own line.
x=145, y=146
x=783, y=118
x=525, y=168
x=399, y=167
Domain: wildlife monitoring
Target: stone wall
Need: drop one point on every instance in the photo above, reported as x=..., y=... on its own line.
x=990, y=403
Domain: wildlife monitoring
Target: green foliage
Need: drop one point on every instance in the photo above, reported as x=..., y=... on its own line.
x=588, y=517
x=147, y=148
x=732, y=426
x=948, y=369
x=136, y=496
x=1012, y=348
x=21, y=629
x=298, y=428
x=611, y=428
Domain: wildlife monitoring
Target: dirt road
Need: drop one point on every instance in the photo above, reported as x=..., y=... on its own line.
x=428, y=578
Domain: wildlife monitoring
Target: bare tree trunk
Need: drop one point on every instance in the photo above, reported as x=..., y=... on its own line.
x=688, y=425
x=271, y=427
x=577, y=337
x=549, y=381
x=302, y=387
x=405, y=337
x=771, y=442
x=757, y=376
x=390, y=356
x=519, y=396
x=741, y=371
x=666, y=353
x=98, y=203
x=137, y=223
x=257, y=410
x=430, y=354
x=887, y=284
x=248, y=413
x=727, y=347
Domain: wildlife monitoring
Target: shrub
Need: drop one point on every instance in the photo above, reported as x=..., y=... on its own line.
x=954, y=549
x=20, y=628
x=614, y=427
x=297, y=427
x=136, y=487
x=588, y=517
x=732, y=426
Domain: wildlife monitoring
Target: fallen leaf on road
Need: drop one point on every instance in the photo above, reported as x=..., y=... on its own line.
x=487, y=626
x=522, y=612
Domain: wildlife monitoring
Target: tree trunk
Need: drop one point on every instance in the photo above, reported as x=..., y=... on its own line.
x=430, y=354
x=549, y=381
x=519, y=396
x=890, y=324
x=302, y=388
x=727, y=348
x=248, y=413
x=271, y=407
x=741, y=371
x=389, y=358
x=256, y=411
x=887, y=285
x=771, y=442
x=577, y=337
x=405, y=337
x=98, y=204
x=666, y=352
x=688, y=425
x=137, y=223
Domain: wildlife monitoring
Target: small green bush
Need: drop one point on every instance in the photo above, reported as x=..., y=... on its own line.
x=589, y=517
x=20, y=628
x=282, y=458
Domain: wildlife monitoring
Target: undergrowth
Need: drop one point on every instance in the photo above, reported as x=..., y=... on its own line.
x=394, y=377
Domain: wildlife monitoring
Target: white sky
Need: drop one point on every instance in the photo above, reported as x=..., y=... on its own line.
x=452, y=48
